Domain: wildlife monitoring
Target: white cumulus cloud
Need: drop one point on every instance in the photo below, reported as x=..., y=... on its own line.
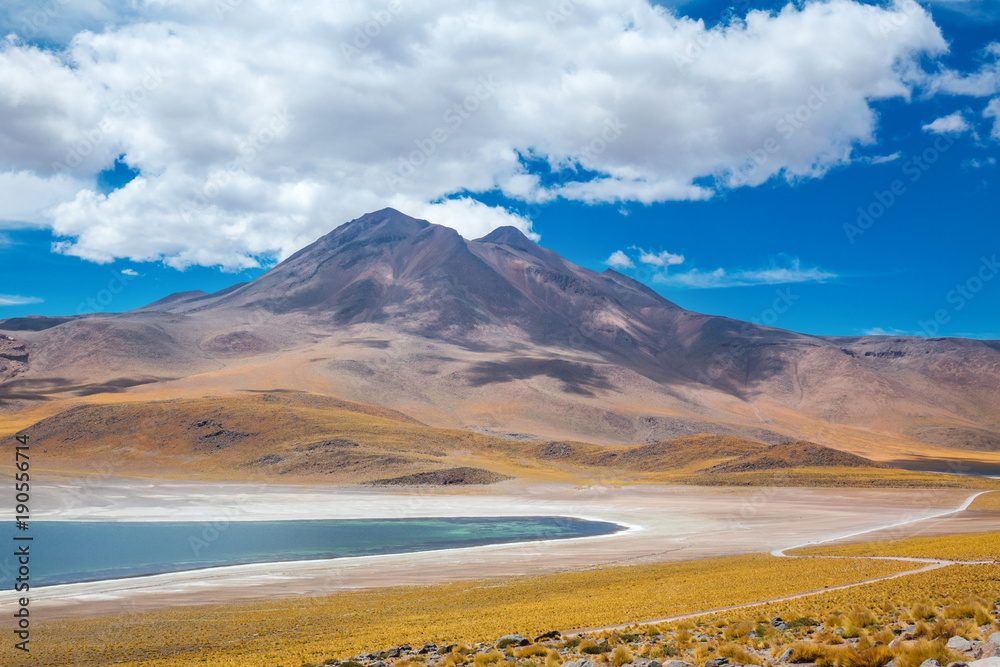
x=262, y=125
x=619, y=260
x=663, y=258
x=954, y=123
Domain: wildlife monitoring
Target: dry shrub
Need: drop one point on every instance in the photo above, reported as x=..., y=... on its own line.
x=738, y=629
x=851, y=631
x=875, y=656
x=972, y=609
x=621, y=656
x=861, y=617
x=701, y=652
x=885, y=636
x=913, y=655
x=531, y=651
x=593, y=648
x=807, y=652
x=922, y=612
x=453, y=658
x=737, y=653
x=949, y=627
x=490, y=658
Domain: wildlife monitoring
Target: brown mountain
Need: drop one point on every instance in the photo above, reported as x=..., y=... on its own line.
x=504, y=336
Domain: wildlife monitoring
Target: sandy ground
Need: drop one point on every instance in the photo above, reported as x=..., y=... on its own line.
x=667, y=523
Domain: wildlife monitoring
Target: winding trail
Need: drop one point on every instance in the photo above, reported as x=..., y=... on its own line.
x=780, y=553
x=929, y=564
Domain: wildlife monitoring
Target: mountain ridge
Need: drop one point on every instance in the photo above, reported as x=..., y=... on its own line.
x=502, y=334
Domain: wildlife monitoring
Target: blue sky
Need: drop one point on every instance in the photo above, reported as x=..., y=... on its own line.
x=673, y=154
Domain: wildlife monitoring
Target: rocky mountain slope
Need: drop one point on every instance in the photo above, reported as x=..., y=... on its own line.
x=503, y=336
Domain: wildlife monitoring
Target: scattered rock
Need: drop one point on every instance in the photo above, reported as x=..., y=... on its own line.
x=994, y=638
x=787, y=655
x=429, y=647
x=930, y=663
x=983, y=650
x=958, y=664
x=675, y=663
x=553, y=634
x=960, y=644
x=985, y=662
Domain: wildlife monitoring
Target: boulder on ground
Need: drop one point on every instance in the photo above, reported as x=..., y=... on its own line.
x=985, y=662
x=961, y=644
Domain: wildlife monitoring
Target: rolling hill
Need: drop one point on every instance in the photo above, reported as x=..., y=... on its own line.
x=295, y=436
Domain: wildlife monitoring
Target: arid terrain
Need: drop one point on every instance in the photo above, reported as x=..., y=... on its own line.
x=500, y=336
x=394, y=369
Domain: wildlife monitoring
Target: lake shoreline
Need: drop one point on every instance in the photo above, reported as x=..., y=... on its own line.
x=666, y=524
x=613, y=528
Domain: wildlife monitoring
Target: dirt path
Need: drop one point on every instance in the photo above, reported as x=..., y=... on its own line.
x=929, y=565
